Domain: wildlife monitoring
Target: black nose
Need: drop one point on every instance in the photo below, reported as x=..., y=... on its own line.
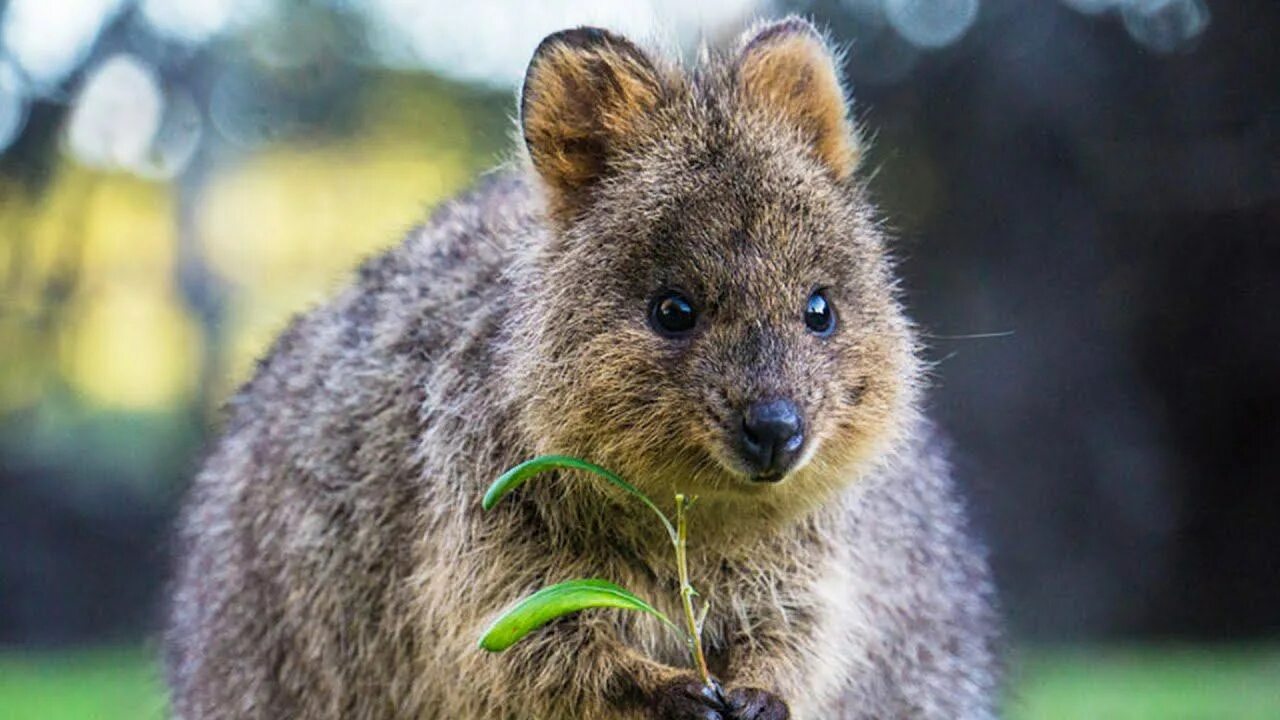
x=772, y=433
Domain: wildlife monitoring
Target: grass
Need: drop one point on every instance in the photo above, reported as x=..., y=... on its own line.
x=1176, y=683
x=107, y=684
x=1173, y=683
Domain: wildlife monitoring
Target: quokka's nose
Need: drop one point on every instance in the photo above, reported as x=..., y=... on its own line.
x=772, y=434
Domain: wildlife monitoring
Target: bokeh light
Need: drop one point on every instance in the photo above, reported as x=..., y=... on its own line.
x=1163, y=26
x=132, y=349
x=48, y=39
x=191, y=21
x=931, y=23
x=116, y=115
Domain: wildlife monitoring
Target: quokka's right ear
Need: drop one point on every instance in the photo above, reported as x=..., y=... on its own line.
x=586, y=95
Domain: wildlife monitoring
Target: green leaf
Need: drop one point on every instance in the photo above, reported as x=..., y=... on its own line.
x=558, y=600
x=516, y=476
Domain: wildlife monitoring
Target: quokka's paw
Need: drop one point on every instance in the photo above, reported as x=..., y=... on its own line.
x=689, y=699
x=755, y=704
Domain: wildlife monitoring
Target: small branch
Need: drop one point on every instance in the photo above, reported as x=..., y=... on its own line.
x=687, y=592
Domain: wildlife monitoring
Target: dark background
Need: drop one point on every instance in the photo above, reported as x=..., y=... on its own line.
x=1089, y=212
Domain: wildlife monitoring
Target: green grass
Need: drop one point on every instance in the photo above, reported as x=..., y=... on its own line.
x=1174, y=683
x=1179, y=683
x=84, y=685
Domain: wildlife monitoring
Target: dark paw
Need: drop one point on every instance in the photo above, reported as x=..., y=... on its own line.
x=689, y=699
x=755, y=704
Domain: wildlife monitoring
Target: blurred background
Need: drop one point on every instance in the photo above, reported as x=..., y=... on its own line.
x=1087, y=194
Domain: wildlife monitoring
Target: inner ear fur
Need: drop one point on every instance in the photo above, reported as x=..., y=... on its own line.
x=787, y=69
x=587, y=93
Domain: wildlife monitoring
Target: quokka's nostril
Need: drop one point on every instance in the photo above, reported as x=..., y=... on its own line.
x=749, y=434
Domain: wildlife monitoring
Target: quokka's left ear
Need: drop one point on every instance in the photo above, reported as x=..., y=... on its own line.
x=786, y=69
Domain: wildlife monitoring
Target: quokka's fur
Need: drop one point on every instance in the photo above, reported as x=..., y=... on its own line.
x=334, y=559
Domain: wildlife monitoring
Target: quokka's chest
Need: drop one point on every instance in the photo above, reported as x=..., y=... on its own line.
x=738, y=606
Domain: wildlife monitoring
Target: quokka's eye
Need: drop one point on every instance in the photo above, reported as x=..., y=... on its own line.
x=819, y=316
x=671, y=314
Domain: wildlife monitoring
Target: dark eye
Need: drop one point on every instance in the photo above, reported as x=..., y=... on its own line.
x=671, y=314
x=819, y=316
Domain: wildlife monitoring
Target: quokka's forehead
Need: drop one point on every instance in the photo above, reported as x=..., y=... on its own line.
x=755, y=171
x=754, y=213
x=724, y=255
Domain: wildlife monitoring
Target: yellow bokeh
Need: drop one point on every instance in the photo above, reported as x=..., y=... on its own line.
x=132, y=348
x=128, y=341
x=130, y=235
x=121, y=338
x=89, y=297
x=303, y=212
x=44, y=234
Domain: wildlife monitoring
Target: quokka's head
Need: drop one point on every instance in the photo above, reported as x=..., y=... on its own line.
x=711, y=309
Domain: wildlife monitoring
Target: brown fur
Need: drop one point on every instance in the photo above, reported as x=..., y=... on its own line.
x=335, y=560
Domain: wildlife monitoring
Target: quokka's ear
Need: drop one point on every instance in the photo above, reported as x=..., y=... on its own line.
x=586, y=94
x=785, y=68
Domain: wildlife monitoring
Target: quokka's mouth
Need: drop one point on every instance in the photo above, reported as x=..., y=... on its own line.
x=747, y=476
x=744, y=476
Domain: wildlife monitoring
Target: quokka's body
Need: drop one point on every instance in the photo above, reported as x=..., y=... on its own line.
x=683, y=281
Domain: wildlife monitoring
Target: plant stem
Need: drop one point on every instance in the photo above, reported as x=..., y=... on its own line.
x=687, y=592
